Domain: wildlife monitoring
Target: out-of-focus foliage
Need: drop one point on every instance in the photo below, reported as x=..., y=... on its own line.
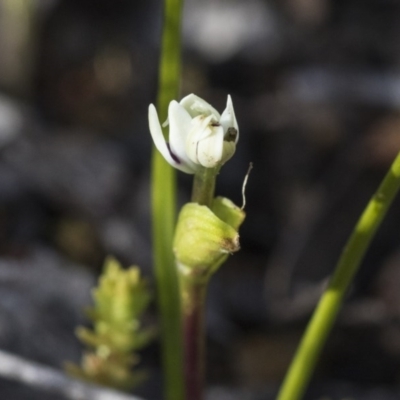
x=120, y=299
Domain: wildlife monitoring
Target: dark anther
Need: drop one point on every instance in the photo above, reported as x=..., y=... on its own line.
x=230, y=135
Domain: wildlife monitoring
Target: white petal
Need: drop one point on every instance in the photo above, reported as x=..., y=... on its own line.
x=199, y=130
x=195, y=106
x=179, y=128
x=210, y=149
x=228, y=152
x=161, y=144
x=157, y=134
x=185, y=168
x=228, y=118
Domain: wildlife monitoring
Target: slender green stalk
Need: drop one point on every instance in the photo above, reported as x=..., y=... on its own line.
x=164, y=209
x=204, y=186
x=304, y=362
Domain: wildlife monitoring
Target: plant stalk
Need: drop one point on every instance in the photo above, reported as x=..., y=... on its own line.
x=303, y=364
x=193, y=301
x=204, y=186
x=193, y=291
x=163, y=193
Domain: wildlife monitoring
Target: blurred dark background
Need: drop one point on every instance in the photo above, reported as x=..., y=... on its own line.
x=316, y=89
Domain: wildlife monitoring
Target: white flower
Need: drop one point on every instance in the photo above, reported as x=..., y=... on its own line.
x=198, y=134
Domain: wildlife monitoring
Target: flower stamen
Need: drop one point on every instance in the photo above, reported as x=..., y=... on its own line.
x=231, y=135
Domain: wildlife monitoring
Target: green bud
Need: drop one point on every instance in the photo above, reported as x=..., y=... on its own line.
x=205, y=237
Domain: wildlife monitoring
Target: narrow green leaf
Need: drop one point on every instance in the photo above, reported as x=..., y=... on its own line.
x=163, y=181
x=318, y=329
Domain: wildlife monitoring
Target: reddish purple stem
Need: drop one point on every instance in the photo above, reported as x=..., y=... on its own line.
x=194, y=341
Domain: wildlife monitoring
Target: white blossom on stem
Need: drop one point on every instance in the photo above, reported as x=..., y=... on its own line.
x=198, y=134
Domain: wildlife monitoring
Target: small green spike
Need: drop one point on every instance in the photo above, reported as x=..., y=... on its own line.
x=120, y=299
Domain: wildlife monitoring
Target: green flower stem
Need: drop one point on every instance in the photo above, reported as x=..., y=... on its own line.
x=204, y=186
x=164, y=209
x=304, y=362
x=193, y=299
